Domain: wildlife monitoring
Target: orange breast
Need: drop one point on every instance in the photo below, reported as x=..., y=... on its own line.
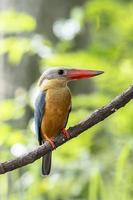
x=57, y=107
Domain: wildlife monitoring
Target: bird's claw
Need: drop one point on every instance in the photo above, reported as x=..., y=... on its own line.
x=51, y=142
x=65, y=133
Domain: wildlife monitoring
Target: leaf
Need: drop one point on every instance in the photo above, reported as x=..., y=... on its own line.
x=12, y=21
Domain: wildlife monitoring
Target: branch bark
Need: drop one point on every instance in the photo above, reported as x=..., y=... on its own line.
x=96, y=117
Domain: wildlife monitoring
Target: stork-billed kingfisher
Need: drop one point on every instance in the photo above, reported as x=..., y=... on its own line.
x=53, y=105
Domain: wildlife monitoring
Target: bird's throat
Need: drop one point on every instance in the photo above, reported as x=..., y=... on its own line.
x=53, y=84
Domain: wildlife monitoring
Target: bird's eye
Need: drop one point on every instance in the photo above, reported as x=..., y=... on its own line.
x=61, y=72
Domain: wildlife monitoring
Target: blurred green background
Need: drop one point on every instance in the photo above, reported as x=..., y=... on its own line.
x=94, y=34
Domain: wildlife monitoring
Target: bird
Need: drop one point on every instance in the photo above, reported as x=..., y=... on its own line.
x=53, y=105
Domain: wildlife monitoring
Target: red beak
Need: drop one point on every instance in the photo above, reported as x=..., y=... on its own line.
x=74, y=74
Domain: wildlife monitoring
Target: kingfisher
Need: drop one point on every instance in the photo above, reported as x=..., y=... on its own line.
x=53, y=105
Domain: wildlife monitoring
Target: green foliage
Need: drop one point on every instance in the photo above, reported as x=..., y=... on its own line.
x=15, y=22
x=15, y=47
x=10, y=109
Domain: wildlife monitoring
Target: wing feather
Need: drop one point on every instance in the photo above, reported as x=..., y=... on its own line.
x=38, y=114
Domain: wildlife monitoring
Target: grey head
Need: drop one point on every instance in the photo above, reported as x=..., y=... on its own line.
x=67, y=74
x=53, y=73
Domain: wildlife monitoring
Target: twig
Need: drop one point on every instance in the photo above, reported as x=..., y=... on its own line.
x=96, y=117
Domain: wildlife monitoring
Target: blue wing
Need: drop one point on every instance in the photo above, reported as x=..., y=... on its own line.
x=38, y=114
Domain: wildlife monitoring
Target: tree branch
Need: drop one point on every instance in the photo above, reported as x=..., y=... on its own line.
x=96, y=117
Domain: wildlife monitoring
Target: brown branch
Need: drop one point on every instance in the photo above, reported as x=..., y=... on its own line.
x=96, y=117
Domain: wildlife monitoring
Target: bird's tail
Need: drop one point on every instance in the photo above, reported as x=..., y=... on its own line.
x=46, y=163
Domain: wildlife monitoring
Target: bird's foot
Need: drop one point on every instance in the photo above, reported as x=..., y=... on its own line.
x=50, y=141
x=65, y=133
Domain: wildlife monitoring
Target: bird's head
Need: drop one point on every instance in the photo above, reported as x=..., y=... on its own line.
x=62, y=75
